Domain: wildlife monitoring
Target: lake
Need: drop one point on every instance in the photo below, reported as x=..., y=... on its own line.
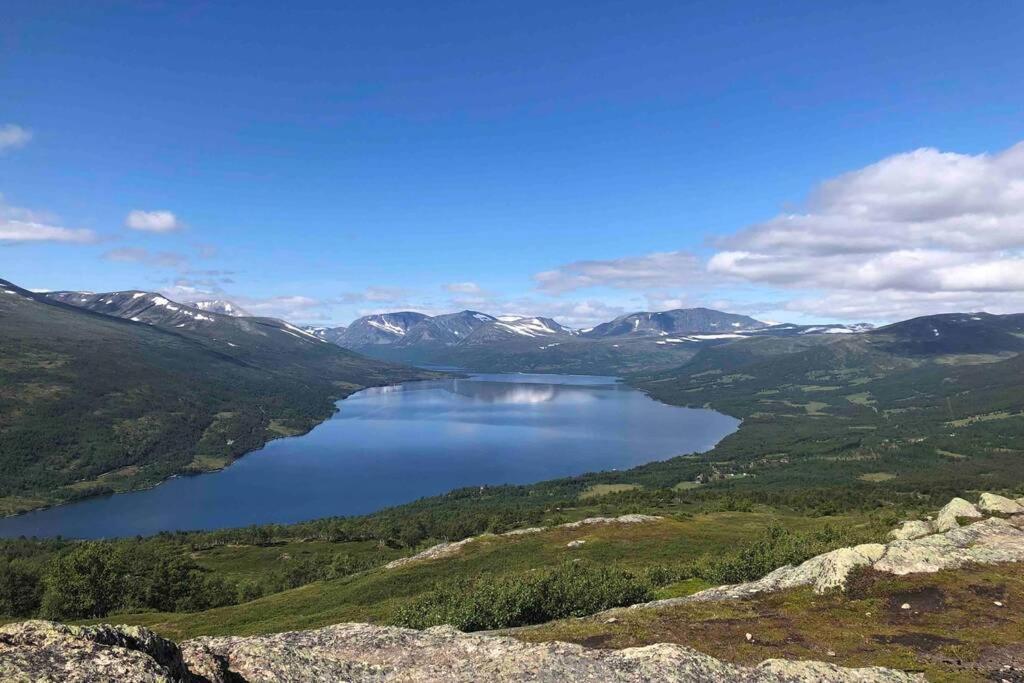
x=392, y=445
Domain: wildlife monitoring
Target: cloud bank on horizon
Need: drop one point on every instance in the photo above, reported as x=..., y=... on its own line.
x=919, y=232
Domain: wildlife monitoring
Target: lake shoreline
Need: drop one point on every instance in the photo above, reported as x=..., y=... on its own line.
x=521, y=380
x=213, y=470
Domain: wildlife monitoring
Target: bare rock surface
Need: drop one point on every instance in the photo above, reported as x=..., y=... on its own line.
x=993, y=503
x=44, y=652
x=908, y=531
x=989, y=541
x=956, y=508
x=362, y=654
x=442, y=550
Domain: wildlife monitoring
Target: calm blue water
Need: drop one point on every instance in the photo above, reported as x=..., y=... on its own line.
x=396, y=444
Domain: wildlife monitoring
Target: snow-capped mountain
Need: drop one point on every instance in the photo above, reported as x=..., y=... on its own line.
x=328, y=334
x=372, y=330
x=514, y=328
x=235, y=335
x=791, y=330
x=221, y=306
x=146, y=307
x=445, y=330
x=680, y=321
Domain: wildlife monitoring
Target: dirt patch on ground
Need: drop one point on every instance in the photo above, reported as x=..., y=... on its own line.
x=600, y=642
x=992, y=592
x=925, y=642
x=1002, y=663
x=919, y=600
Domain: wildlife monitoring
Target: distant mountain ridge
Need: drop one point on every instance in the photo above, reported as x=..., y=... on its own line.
x=381, y=328
x=522, y=343
x=679, y=321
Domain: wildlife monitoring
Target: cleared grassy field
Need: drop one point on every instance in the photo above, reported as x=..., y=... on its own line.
x=598, y=490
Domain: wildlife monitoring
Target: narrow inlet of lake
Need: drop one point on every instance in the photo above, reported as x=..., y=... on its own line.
x=392, y=445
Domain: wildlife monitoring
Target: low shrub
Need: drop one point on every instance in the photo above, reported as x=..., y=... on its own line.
x=572, y=589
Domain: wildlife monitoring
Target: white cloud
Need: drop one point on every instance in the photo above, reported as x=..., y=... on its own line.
x=21, y=231
x=288, y=307
x=374, y=295
x=18, y=225
x=925, y=221
x=669, y=269
x=464, y=288
x=152, y=221
x=913, y=233
x=161, y=259
x=922, y=232
x=13, y=137
x=581, y=313
x=892, y=305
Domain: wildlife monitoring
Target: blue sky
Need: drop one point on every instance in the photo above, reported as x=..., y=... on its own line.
x=319, y=161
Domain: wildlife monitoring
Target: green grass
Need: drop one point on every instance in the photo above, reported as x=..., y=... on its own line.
x=877, y=476
x=598, y=490
x=252, y=562
x=377, y=595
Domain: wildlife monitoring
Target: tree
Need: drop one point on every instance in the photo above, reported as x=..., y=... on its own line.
x=82, y=583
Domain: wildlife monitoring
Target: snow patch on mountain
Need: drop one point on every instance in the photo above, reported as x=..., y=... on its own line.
x=221, y=306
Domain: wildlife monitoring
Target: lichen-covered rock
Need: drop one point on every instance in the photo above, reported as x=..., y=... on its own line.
x=993, y=503
x=990, y=541
x=833, y=568
x=363, y=653
x=958, y=507
x=45, y=652
x=908, y=531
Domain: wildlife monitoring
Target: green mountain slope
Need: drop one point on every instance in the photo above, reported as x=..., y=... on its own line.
x=91, y=403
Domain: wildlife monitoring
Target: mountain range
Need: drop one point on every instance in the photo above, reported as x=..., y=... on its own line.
x=111, y=391
x=480, y=341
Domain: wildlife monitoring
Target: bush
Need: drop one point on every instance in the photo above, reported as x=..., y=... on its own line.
x=95, y=579
x=573, y=589
x=20, y=588
x=776, y=548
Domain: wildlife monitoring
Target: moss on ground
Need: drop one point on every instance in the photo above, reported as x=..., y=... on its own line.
x=953, y=630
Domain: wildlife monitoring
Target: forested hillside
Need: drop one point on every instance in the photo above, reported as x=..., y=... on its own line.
x=91, y=403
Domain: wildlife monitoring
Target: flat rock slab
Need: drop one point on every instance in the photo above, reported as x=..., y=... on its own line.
x=45, y=652
x=362, y=653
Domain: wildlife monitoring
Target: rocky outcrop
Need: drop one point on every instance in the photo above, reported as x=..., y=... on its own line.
x=361, y=653
x=908, y=531
x=442, y=550
x=45, y=652
x=989, y=541
x=992, y=503
x=958, y=508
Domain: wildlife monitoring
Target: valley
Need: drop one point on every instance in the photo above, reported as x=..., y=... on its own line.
x=844, y=431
